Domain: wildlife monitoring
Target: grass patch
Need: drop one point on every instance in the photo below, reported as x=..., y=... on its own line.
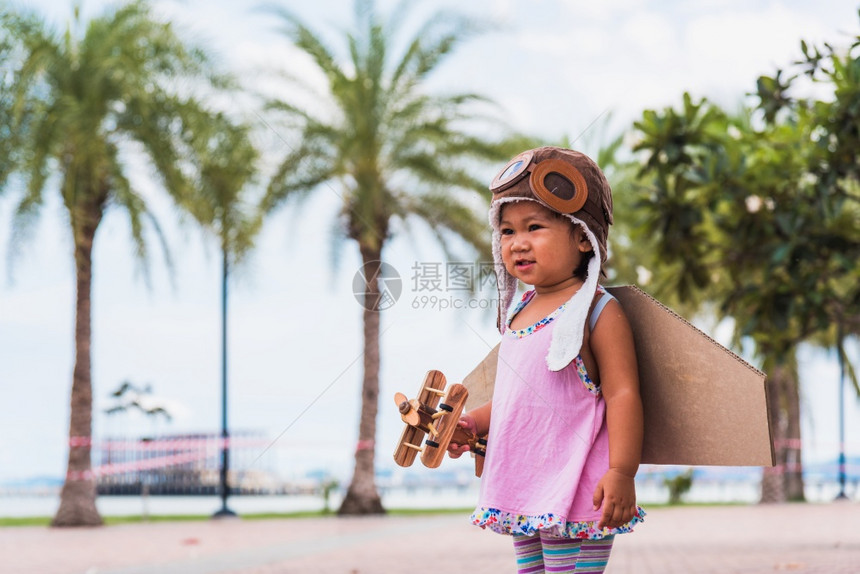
x=137, y=518
x=26, y=521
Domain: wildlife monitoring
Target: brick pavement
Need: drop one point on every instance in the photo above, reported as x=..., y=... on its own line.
x=804, y=538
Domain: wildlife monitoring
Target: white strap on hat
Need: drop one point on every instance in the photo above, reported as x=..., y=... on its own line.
x=569, y=326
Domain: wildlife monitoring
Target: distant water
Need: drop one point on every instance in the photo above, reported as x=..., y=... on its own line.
x=422, y=497
x=46, y=505
x=418, y=498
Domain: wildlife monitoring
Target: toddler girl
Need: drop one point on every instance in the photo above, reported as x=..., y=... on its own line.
x=565, y=421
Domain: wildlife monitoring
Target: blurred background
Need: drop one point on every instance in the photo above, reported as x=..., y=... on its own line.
x=727, y=130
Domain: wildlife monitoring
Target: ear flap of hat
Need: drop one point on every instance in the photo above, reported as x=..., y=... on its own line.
x=569, y=326
x=507, y=283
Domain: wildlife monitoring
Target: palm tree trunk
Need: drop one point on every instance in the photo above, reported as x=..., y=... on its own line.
x=362, y=496
x=78, y=496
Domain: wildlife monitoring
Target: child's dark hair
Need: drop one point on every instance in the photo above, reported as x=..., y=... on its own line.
x=581, y=271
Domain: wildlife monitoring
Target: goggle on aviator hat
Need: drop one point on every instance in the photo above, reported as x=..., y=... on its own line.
x=557, y=183
x=570, y=183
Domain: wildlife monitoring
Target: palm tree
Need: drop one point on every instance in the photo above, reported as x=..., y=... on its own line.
x=390, y=151
x=81, y=104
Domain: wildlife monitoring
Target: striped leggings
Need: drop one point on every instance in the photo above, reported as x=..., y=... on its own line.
x=544, y=553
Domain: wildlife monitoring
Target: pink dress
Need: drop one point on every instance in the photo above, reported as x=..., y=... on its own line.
x=548, y=444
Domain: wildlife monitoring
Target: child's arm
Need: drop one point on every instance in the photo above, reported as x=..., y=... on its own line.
x=476, y=421
x=612, y=345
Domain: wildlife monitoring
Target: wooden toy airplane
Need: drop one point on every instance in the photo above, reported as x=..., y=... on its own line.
x=422, y=417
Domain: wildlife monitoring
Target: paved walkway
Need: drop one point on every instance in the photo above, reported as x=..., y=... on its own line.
x=726, y=539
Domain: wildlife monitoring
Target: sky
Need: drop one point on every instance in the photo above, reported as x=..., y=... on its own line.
x=553, y=68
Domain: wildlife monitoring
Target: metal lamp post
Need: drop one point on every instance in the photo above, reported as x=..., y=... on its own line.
x=841, y=353
x=225, y=434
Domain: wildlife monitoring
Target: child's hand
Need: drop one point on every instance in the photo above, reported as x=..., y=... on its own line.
x=467, y=422
x=617, y=492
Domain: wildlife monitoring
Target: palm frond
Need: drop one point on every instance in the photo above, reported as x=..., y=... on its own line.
x=434, y=41
x=24, y=220
x=465, y=221
x=305, y=39
x=306, y=167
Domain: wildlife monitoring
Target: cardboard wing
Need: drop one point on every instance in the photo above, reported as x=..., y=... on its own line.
x=481, y=380
x=703, y=404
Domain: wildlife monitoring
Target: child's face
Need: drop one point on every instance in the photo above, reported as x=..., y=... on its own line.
x=540, y=248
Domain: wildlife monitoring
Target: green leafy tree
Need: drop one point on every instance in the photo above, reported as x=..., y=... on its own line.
x=759, y=213
x=706, y=174
x=391, y=151
x=828, y=130
x=679, y=485
x=797, y=184
x=80, y=104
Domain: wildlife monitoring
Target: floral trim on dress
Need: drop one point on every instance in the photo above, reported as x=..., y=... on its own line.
x=592, y=387
x=520, y=333
x=510, y=523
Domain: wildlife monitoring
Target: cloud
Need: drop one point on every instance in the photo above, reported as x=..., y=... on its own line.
x=578, y=59
x=735, y=48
